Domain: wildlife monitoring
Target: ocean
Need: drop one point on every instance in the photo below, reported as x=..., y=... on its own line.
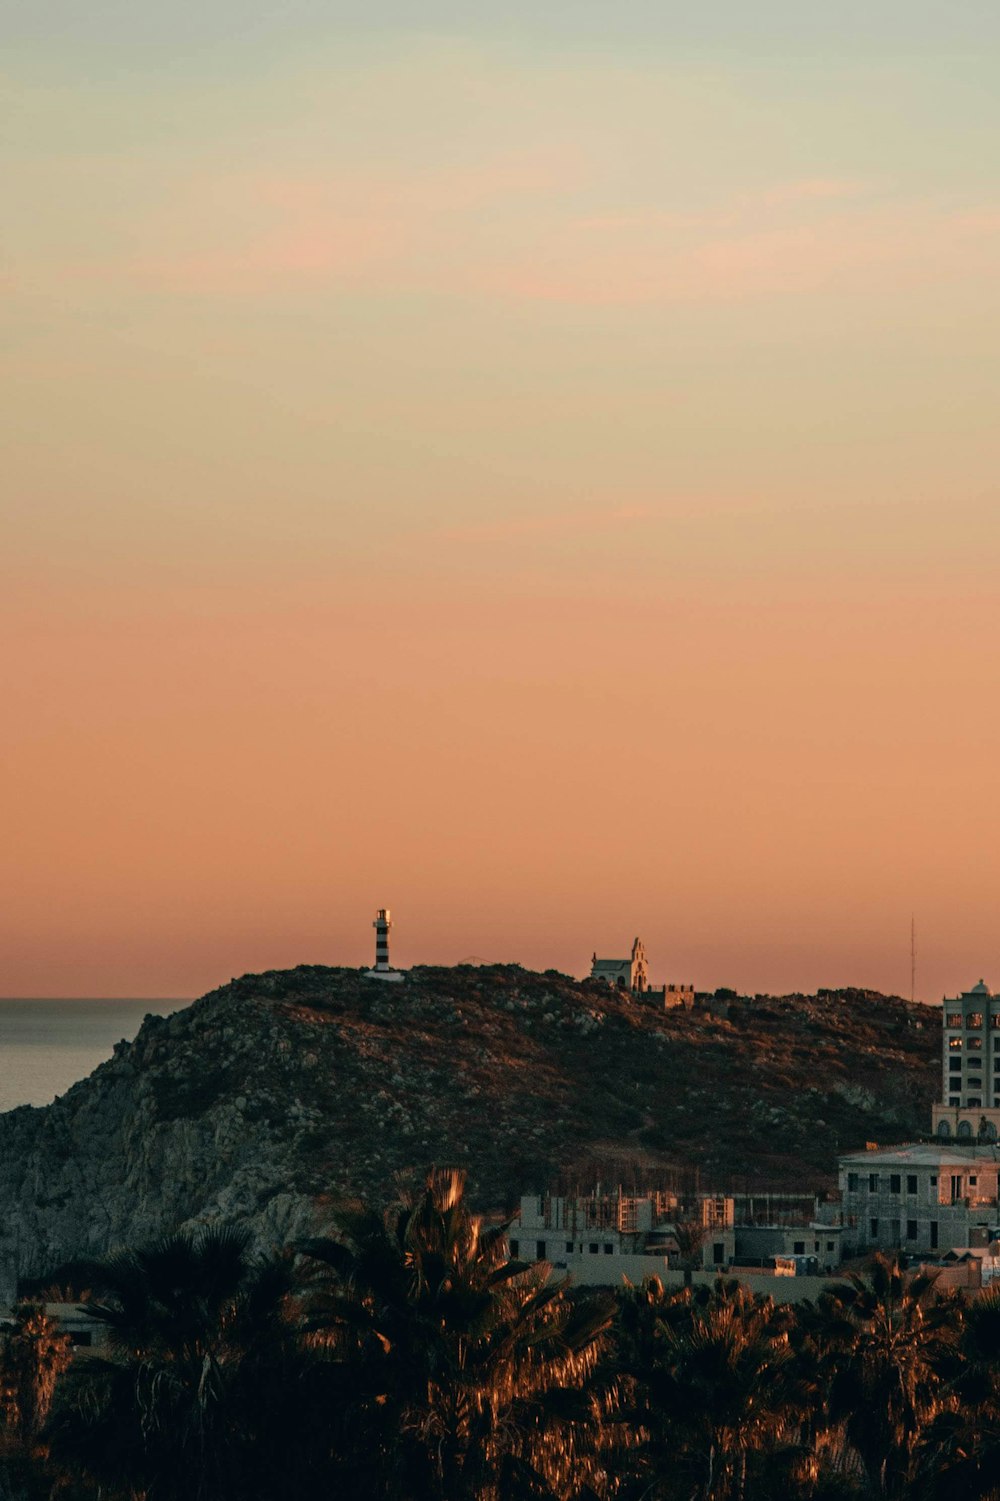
x=45, y=1046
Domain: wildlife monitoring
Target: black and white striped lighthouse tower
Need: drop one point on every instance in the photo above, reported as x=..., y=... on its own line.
x=383, y=969
x=382, y=926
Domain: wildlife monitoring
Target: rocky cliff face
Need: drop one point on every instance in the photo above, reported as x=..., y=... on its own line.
x=269, y=1095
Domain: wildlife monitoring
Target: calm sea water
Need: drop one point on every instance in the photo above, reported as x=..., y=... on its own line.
x=45, y=1046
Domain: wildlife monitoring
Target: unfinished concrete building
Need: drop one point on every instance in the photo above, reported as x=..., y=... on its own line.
x=607, y=1235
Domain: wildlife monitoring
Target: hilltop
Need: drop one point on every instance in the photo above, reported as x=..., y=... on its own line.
x=291, y=1086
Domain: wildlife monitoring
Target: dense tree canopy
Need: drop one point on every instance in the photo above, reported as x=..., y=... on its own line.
x=404, y=1356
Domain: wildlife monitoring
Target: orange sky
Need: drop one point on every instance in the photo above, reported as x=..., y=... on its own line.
x=554, y=496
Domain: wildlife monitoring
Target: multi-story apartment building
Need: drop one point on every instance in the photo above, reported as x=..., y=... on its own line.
x=970, y=1067
x=921, y=1197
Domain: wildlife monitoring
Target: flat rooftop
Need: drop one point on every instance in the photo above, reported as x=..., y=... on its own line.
x=925, y=1154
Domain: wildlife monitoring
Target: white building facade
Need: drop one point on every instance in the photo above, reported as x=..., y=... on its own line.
x=632, y=976
x=922, y=1197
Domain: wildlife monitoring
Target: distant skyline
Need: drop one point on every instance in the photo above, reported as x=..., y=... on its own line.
x=538, y=472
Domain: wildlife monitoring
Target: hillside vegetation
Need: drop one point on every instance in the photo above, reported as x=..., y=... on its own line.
x=287, y=1086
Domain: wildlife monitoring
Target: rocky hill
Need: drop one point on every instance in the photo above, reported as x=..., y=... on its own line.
x=283, y=1088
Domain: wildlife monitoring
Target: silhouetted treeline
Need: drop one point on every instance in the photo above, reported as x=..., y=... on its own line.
x=406, y=1358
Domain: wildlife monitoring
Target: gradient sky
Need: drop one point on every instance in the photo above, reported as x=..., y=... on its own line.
x=538, y=472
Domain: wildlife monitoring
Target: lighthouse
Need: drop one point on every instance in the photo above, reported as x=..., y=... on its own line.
x=383, y=927
x=383, y=969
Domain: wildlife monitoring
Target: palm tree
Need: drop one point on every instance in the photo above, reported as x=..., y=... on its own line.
x=472, y=1372
x=33, y=1356
x=885, y=1341
x=728, y=1386
x=711, y=1387
x=202, y=1363
x=964, y=1442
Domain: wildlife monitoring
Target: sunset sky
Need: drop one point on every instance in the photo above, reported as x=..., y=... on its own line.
x=536, y=472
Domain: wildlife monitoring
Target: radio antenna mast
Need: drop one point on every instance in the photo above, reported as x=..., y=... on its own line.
x=913, y=958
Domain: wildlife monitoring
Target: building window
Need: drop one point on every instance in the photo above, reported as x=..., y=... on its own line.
x=953, y=1019
x=515, y=1247
x=974, y=1020
x=911, y=1183
x=569, y=1245
x=539, y=1250
x=974, y=1042
x=973, y=1180
x=894, y=1183
x=911, y=1229
x=798, y=1248
x=995, y=1018
x=718, y=1253
x=873, y=1183
x=934, y=1235
x=973, y=1063
x=608, y=1248
x=933, y=1180
x=829, y=1245
x=954, y=1043
x=874, y=1229
x=852, y=1183
x=952, y=1100
x=970, y=1102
